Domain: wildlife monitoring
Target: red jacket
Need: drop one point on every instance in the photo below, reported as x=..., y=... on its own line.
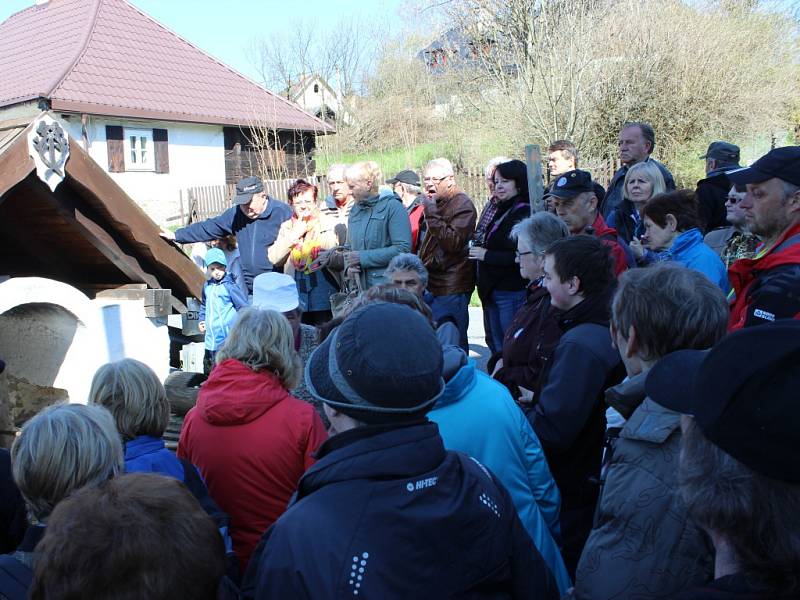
x=608, y=235
x=415, y=216
x=761, y=296
x=252, y=441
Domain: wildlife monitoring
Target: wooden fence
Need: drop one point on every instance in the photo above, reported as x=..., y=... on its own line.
x=199, y=203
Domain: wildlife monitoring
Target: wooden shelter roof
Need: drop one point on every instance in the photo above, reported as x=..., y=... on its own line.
x=88, y=233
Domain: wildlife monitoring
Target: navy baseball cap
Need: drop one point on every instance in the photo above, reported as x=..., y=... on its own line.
x=408, y=176
x=572, y=183
x=383, y=364
x=246, y=189
x=783, y=163
x=742, y=394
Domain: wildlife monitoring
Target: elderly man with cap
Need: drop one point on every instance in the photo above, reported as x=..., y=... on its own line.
x=740, y=458
x=254, y=219
x=767, y=287
x=278, y=292
x=387, y=512
x=450, y=218
x=575, y=201
x=406, y=187
x=712, y=191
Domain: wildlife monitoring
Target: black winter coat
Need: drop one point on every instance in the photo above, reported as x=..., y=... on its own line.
x=386, y=513
x=499, y=270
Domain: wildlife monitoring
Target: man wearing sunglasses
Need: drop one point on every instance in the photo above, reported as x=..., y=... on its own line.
x=734, y=241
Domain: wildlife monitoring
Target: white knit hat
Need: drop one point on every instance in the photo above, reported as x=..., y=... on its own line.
x=275, y=291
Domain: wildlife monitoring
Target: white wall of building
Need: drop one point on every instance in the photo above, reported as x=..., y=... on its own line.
x=196, y=158
x=312, y=101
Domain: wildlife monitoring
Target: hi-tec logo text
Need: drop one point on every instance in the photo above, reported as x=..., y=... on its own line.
x=422, y=484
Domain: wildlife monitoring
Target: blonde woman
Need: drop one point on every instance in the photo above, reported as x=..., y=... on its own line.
x=643, y=181
x=378, y=228
x=137, y=400
x=300, y=242
x=251, y=439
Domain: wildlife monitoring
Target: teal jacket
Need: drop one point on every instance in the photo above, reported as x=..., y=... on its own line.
x=378, y=229
x=477, y=416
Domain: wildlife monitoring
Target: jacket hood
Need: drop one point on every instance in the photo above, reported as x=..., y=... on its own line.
x=594, y=309
x=626, y=397
x=234, y=394
x=601, y=228
x=388, y=453
x=459, y=375
x=685, y=242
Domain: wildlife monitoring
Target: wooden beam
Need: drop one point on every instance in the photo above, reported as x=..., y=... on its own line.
x=533, y=158
x=15, y=163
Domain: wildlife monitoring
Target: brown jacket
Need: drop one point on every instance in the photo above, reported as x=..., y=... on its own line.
x=444, y=250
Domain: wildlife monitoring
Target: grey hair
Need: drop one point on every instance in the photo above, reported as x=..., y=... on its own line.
x=263, y=340
x=671, y=307
x=647, y=132
x=789, y=189
x=337, y=167
x=539, y=231
x=757, y=515
x=441, y=163
x=131, y=391
x=62, y=449
x=411, y=188
x=488, y=171
x=408, y=262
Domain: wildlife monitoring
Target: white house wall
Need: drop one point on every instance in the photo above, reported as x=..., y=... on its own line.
x=196, y=158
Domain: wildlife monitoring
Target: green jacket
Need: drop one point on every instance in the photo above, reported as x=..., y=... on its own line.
x=643, y=544
x=378, y=229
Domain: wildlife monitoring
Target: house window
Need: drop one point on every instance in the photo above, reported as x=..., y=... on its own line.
x=139, y=150
x=316, y=88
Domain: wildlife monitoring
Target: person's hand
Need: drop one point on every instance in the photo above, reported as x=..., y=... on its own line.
x=321, y=261
x=637, y=248
x=202, y=326
x=477, y=253
x=429, y=202
x=352, y=259
x=167, y=234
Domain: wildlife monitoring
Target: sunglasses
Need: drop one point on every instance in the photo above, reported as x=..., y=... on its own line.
x=733, y=199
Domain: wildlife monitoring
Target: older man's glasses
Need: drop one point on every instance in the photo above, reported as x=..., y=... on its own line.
x=733, y=199
x=435, y=179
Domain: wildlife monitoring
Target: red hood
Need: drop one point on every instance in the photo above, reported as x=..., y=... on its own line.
x=601, y=228
x=745, y=270
x=235, y=394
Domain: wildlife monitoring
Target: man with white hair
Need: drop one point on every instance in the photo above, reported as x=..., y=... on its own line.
x=338, y=204
x=450, y=218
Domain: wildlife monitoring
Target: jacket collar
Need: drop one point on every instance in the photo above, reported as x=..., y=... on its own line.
x=141, y=445
x=377, y=452
x=685, y=241
x=593, y=309
x=651, y=422
x=626, y=397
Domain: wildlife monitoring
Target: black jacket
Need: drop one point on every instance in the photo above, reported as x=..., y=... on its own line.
x=711, y=194
x=569, y=416
x=253, y=236
x=499, y=270
x=386, y=513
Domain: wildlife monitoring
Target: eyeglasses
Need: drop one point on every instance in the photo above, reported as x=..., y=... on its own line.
x=733, y=199
x=435, y=179
x=521, y=254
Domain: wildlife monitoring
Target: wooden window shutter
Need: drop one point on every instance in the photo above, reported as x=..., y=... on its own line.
x=161, y=143
x=116, y=148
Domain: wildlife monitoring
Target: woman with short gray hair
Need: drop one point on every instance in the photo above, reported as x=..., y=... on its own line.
x=533, y=333
x=252, y=439
x=63, y=448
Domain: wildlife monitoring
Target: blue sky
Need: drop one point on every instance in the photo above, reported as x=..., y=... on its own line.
x=226, y=28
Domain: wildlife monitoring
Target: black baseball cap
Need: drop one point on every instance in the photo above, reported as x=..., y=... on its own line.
x=572, y=183
x=783, y=163
x=246, y=189
x=743, y=394
x=408, y=176
x=722, y=151
x=382, y=365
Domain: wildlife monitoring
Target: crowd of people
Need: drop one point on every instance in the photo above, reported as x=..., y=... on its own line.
x=634, y=435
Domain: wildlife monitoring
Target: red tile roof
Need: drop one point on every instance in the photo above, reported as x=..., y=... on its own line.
x=106, y=57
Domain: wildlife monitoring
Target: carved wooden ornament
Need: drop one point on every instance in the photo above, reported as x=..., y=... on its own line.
x=48, y=145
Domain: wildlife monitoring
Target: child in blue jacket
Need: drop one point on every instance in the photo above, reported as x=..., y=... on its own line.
x=222, y=297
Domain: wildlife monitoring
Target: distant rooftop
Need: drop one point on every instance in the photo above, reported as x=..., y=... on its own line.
x=106, y=57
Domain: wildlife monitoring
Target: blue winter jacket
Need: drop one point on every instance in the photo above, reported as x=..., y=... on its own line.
x=386, y=512
x=253, y=236
x=221, y=299
x=477, y=415
x=689, y=250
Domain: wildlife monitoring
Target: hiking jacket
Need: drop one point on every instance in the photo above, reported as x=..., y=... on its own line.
x=569, y=415
x=378, y=229
x=387, y=512
x=477, y=416
x=416, y=216
x=711, y=194
x=450, y=224
x=498, y=270
x=614, y=195
x=253, y=236
x=16, y=569
x=623, y=258
x=643, y=543
x=689, y=250
x=767, y=287
x=219, y=304
x=251, y=441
